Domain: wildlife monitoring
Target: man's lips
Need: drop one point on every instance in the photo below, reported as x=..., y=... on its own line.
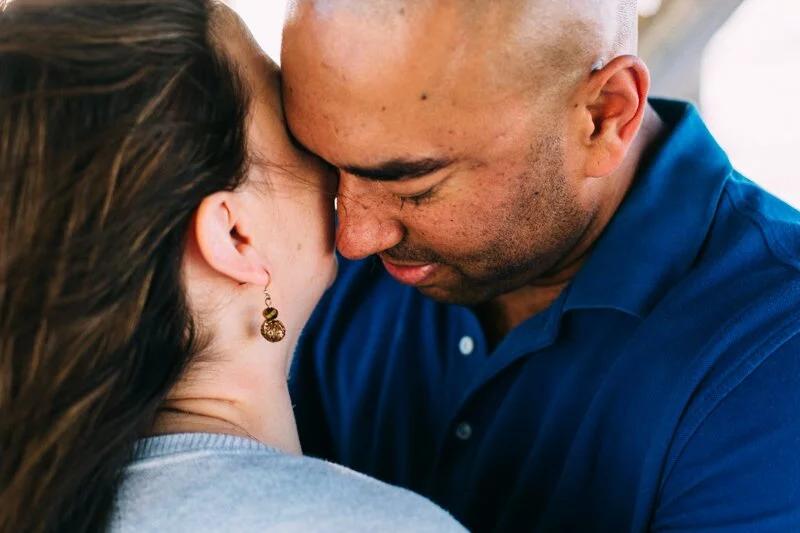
x=410, y=274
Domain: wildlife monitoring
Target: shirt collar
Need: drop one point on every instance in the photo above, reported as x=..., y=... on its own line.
x=661, y=225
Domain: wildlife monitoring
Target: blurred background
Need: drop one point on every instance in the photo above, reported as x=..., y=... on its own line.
x=738, y=60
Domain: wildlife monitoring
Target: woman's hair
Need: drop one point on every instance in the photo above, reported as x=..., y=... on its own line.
x=117, y=118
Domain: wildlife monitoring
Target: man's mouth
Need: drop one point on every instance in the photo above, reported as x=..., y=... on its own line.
x=409, y=273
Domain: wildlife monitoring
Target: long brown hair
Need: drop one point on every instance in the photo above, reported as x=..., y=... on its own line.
x=117, y=118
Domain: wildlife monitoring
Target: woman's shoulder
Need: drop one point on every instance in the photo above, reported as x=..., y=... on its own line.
x=245, y=487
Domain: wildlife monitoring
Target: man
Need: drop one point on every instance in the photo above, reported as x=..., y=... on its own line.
x=587, y=320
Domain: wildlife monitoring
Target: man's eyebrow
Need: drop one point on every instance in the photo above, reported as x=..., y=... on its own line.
x=398, y=169
x=392, y=170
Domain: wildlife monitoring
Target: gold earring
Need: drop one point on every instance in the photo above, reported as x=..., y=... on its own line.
x=272, y=329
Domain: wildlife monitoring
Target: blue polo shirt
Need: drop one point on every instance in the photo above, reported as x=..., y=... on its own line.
x=660, y=392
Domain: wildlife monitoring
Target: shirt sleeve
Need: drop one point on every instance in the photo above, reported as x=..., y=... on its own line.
x=740, y=470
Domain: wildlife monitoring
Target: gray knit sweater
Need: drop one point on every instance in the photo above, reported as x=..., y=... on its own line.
x=197, y=483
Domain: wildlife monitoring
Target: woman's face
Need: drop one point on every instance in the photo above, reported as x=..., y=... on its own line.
x=290, y=192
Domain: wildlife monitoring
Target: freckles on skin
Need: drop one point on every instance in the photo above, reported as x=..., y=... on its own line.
x=451, y=227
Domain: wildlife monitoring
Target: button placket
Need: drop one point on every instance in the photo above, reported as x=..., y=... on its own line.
x=466, y=345
x=463, y=431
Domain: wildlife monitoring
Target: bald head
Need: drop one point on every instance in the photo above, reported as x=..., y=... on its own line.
x=525, y=41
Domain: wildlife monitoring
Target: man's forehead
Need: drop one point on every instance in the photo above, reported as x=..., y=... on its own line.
x=366, y=145
x=422, y=66
x=385, y=8
x=353, y=47
x=409, y=22
x=419, y=43
x=508, y=23
x=428, y=61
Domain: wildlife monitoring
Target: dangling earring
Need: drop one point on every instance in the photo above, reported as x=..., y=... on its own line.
x=272, y=329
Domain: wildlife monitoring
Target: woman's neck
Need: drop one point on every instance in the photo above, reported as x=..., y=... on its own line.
x=244, y=394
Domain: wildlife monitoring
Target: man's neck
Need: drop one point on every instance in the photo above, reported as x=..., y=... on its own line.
x=508, y=311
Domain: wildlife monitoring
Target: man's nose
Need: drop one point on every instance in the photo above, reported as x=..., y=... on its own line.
x=366, y=225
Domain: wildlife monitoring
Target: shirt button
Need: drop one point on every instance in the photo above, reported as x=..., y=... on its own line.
x=466, y=345
x=463, y=431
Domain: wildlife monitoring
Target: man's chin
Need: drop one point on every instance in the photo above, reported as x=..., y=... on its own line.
x=451, y=296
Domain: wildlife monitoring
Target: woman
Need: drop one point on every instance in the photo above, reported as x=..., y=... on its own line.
x=149, y=198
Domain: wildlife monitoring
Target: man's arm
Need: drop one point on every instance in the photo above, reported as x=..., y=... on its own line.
x=740, y=470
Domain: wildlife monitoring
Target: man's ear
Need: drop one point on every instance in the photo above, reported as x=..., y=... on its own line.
x=225, y=241
x=616, y=100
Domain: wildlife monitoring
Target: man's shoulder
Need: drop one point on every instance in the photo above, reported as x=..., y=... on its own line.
x=736, y=307
x=777, y=223
x=749, y=265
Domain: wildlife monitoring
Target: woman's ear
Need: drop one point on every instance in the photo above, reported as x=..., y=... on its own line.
x=225, y=242
x=616, y=99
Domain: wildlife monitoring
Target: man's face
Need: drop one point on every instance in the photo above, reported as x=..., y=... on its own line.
x=457, y=181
